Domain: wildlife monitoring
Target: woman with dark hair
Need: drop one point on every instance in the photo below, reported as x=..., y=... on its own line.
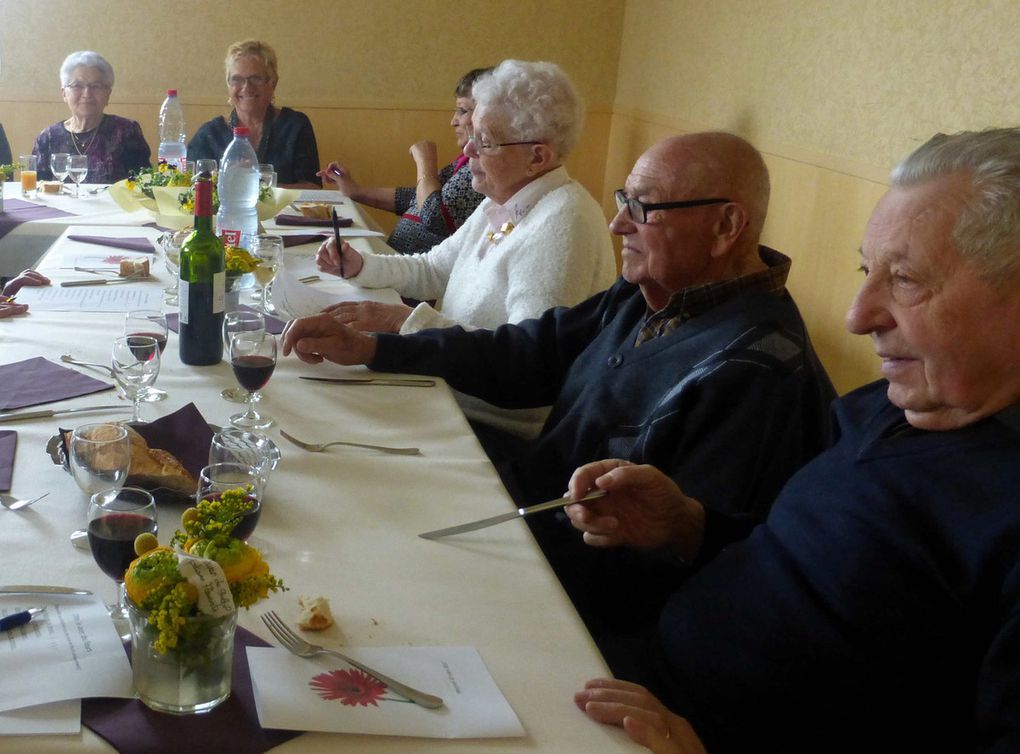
x=114, y=145
x=441, y=200
x=281, y=136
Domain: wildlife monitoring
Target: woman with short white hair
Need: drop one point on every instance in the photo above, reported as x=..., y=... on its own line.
x=114, y=145
x=538, y=240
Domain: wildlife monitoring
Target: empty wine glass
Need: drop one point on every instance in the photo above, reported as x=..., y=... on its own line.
x=152, y=323
x=240, y=320
x=268, y=250
x=267, y=175
x=172, y=262
x=99, y=457
x=246, y=447
x=77, y=168
x=116, y=517
x=58, y=166
x=206, y=165
x=253, y=359
x=135, y=366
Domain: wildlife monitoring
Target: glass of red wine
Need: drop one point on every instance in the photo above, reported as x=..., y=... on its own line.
x=116, y=517
x=135, y=364
x=253, y=359
x=240, y=320
x=217, y=478
x=152, y=323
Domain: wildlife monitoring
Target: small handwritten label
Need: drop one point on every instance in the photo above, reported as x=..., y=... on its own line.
x=214, y=596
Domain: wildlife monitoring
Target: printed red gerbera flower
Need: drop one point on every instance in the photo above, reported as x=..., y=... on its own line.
x=351, y=687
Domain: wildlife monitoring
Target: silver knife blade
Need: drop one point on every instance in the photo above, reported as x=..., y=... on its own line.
x=38, y=589
x=11, y=416
x=519, y=513
x=97, y=281
x=391, y=381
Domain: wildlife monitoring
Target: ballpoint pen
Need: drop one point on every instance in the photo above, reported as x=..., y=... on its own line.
x=19, y=619
x=336, y=235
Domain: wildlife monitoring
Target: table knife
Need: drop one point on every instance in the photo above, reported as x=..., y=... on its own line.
x=19, y=619
x=519, y=513
x=40, y=589
x=12, y=416
x=98, y=281
x=393, y=381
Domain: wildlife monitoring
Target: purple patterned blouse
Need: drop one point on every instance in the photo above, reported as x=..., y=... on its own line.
x=114, y=148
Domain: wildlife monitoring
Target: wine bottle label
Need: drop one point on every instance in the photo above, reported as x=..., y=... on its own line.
x=182, y=302
x=219, y=287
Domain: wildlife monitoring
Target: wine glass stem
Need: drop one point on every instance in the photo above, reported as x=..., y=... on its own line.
x=136, y=403
x=250, y=400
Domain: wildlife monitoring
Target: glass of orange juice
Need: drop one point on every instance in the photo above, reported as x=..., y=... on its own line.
x=28, y=173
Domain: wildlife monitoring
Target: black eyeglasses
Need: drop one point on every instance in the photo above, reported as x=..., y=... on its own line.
x=639, y=210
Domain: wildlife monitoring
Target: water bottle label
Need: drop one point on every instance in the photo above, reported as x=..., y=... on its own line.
x=230, y=237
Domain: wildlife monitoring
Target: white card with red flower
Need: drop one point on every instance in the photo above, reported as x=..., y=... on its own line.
x=325, y=694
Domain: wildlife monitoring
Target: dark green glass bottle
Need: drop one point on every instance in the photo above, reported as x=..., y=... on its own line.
x=203, y=282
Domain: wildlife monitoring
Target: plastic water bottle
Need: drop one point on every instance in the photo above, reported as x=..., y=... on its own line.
x=172, y=132
x=237, y=222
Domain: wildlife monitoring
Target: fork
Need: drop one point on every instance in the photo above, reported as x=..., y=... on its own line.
x=295, y=644
x=313, y=447
x=12, y=503
x=69, y=359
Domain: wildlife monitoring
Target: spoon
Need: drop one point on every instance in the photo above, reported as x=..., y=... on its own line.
x=11, y=502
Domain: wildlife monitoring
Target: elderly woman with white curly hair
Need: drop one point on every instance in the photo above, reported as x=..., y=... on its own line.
x=537, y=241
x=114, y=145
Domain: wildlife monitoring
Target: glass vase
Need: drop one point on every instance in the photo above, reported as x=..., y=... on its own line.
x=192, y=678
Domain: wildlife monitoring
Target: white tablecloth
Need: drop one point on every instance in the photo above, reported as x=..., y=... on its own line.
x=342, y=524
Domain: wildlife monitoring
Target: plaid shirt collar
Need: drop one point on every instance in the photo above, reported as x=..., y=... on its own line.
x=691, y=302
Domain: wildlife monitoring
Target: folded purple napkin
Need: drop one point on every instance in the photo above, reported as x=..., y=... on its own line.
x=134, y=243
x=289, y=241
x=311, y=222
x=8, y=443
x=184, y=433
x=129, y=726
x=17, y=211
x=34, y=381
x=273, y=324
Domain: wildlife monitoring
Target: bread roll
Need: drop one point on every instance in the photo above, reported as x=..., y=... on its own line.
x=134, y=267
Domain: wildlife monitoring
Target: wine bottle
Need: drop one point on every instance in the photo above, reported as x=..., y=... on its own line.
x=203, y=285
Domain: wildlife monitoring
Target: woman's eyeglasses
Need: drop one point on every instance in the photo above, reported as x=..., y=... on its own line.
x=239, y=81
x=480, y=146
x=78, y=87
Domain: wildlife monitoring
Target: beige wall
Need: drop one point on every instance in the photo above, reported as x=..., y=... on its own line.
x=834, y=92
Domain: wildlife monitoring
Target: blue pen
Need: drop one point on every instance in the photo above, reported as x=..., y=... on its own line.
x=19, y=619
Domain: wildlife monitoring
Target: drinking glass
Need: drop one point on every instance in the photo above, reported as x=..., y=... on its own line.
x=152, y=323
x=135, y=366
x=99, y=457
x=29, y=174
x=268, y=250
x=116, y=517
x=240, y=320
x=77, y=168
x=172, y=262
x=206, y=166
x=254, y=449
x=253, y=359
x=267, y=175
x=217, y=478
x=58, y=166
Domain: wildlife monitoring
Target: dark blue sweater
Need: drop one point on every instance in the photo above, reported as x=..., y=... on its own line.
x=877, y=609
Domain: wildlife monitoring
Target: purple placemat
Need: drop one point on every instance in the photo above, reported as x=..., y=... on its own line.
x=312, y=222
x=131, y=727
x=289, y=241
x=34, y=381
x=134, y=243
x=18, y=211
x=273, y=324
x=184, y=433
x=8, y=443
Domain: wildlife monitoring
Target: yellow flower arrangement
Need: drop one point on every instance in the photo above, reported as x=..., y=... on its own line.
x=238, y=261
x=162, y=175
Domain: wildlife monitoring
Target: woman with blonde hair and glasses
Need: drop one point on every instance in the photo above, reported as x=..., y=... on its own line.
x=114, y=145
x=280, y=136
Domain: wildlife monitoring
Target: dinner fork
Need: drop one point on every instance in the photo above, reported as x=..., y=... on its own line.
x=69, y=359
x=12, y=503
x=295, y=644
x=318, y=447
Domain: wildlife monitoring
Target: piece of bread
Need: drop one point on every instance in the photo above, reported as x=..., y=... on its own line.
x=317, y=210
x=153, y=467
x=134, y=267
x=50, y=187
x=315, y=613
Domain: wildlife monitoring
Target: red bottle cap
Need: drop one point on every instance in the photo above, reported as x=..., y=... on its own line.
x=241, y=131
x=171, y=92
